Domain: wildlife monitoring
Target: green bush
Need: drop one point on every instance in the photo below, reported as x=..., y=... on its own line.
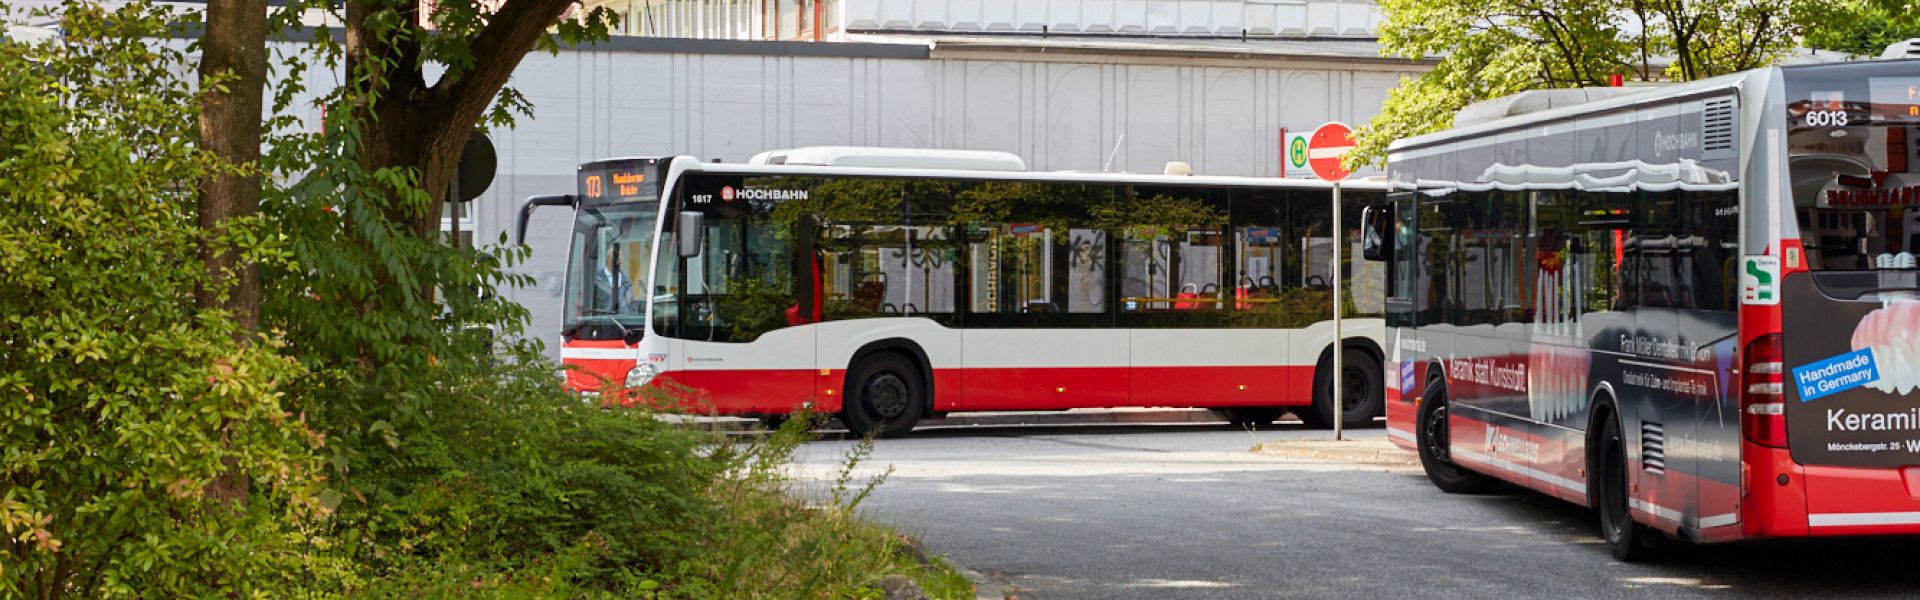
x=120, y=402
x=511, y=487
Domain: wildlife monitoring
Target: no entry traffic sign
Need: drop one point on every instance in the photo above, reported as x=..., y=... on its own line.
x=1325, y=148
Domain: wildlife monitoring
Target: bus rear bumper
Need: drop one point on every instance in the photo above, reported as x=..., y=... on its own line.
x=1785, y=499
x=1853, y=501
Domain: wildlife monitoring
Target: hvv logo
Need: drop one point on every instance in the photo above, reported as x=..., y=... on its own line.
x=1760, y=280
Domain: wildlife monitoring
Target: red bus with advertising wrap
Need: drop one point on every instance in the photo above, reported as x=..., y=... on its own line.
x=1693, y=308
x=905, y=287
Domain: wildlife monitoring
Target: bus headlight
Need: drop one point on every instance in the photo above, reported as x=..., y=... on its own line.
x=640, y=375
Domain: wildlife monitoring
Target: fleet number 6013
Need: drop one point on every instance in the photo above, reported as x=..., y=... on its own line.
x=1826, y=118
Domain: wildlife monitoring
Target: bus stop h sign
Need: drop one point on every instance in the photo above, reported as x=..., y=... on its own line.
x=1325, y=148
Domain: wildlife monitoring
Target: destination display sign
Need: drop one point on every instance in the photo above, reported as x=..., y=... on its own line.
x=620, y=182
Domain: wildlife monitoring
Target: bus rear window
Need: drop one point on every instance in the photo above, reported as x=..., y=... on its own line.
x=1853, y=146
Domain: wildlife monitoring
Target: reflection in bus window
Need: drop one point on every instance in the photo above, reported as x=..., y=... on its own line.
x=1013, y=269
x=1173, y=254
x=886, y=270
x=1087, y=271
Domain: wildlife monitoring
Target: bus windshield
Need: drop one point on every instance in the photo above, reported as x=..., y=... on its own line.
x=607, y=276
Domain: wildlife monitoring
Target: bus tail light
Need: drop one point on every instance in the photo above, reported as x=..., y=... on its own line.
x=1762, y=408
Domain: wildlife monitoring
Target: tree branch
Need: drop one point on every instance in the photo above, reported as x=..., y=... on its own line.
x=498, y=49
x=460, y=98
x=1554, y=25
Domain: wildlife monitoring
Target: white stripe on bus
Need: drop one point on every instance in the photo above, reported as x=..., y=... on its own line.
x=1667, y=367
x=1656, y=510
x=1710, y=522
x=1848, y=519
x=1529, y=472
x=600, y=353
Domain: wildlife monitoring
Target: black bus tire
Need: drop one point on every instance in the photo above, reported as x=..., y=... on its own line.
x=1365, y=398
x=1250, y=416
x=1626, y=539
x=885, y=396
x=1431, y=436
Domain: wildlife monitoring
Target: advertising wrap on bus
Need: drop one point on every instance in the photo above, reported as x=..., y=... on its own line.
x=1852, y=371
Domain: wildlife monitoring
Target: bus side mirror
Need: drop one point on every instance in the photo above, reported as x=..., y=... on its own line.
x=1373, y=245
x=526, y=211
x=692, y=231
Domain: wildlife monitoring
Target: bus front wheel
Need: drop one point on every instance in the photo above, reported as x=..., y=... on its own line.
x=1364, y=399
x=1432, y=436
x=885, y=396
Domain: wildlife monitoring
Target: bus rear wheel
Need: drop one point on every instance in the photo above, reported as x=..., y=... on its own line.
x=885, y=397
x=1627, y=540
x=1432, y=435
x=1250, y=416
x=1364, y=399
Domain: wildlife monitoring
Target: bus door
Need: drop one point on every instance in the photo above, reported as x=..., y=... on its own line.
x=1038, y=332
x=1397, y=228
x=1488, y=248
x=729, y=306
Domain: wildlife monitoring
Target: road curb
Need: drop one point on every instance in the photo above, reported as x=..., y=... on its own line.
x=984, y=588
x=1377, y=452
x=1092, y=417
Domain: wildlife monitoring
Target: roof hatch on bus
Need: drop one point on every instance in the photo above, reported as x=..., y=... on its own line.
x=898, y=158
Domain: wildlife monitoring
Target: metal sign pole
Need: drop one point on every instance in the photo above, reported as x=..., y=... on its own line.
x=1338, y=380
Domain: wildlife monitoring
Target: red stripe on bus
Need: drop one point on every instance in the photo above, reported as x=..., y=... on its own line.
x=736, y=391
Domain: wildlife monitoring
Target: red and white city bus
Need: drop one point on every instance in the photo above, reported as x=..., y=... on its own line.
x=1692, y=308
x=884, y=294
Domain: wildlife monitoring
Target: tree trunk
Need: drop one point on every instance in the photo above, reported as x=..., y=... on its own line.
x=233, y=53
x=233, y=50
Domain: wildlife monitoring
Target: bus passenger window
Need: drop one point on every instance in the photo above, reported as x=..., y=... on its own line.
x=1173, y=255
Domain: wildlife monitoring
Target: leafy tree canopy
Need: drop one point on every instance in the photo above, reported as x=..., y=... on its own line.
x=1489, y=49
x=1866, y=27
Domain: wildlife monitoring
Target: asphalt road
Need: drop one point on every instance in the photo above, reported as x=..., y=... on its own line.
x=1186, y=512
